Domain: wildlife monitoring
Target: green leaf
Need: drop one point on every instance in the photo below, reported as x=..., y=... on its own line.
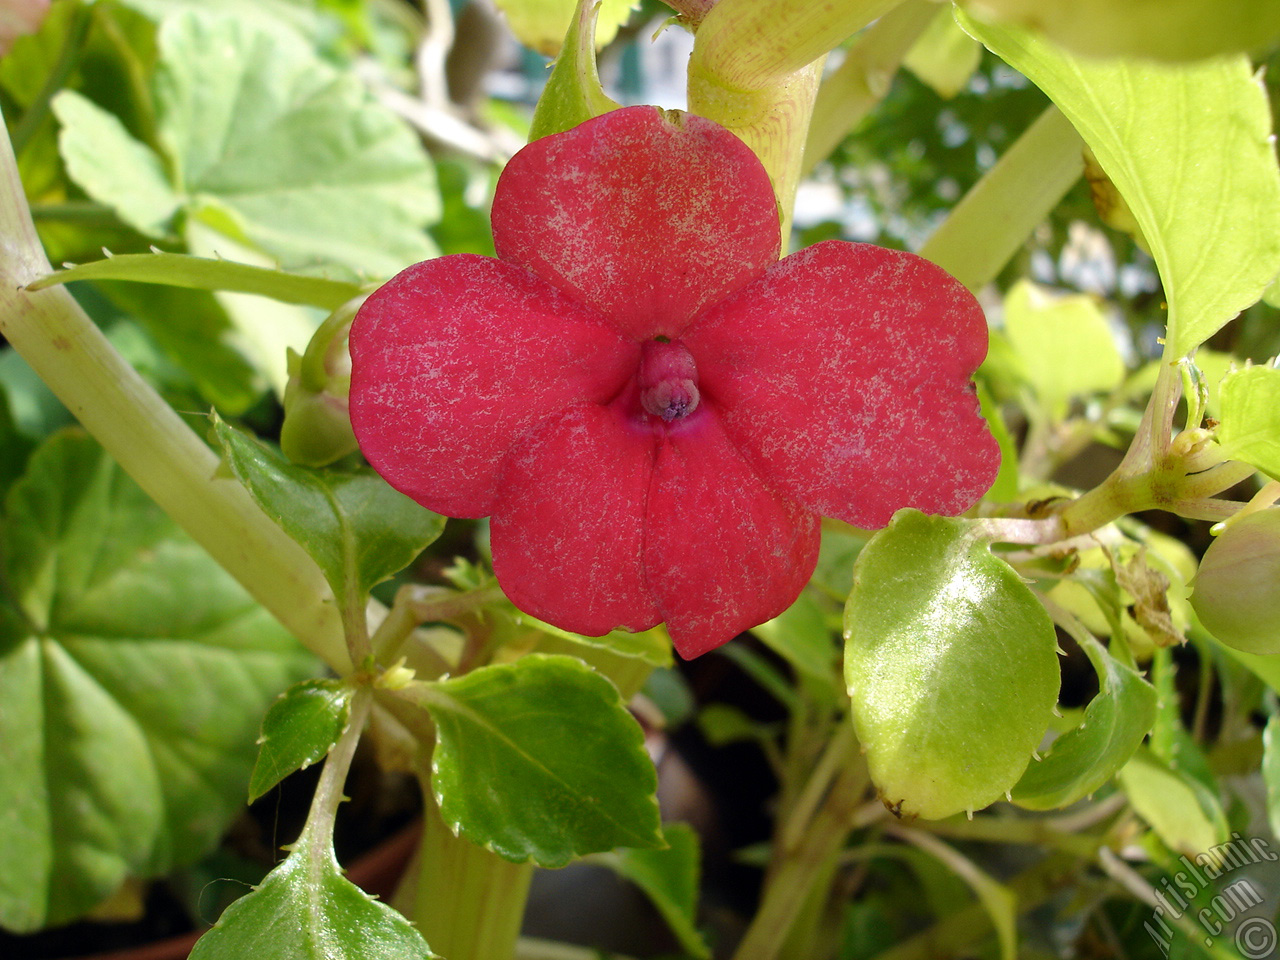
x=286, y=153
x=1271, y=771
x=133, y=671
x=1180, y=810
x=1086, y=757
x=573, y=93
x=951, y=666
x=800, y=636
x=1189, y=148
x=201, y=273
x=1168, y=30
x=113, y=167
x=1249, y=405
x=1064, y=344
x=540, y=760
x=300, y=728
x=651, y=646
x=669, y=878
x=306, y=910
x=356, y=527
x=542, y=24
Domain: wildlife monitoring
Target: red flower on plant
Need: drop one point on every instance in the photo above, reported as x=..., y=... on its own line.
x=654, y=410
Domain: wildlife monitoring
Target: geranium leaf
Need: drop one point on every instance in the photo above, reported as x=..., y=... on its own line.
x=1189, y=147
x=539, y=760
x=306, y=910
x=951, y=665
x=1086, y=757
x=133, y=673
x=353, y=523
x=300, y=728
x=669, y=878
x=202, y=273
x=1249, y=405
x=109, y=164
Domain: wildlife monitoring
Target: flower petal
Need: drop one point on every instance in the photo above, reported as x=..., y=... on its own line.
x=844, y=372
x=455, y=359
x=722, y=551
x=568, y=527
x=646, y=215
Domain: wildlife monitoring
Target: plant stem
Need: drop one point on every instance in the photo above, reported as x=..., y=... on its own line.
x=864, y=76
x=317, y=833
x=149, y=440
x=997, y=215
x=467, y=902
x=794, y=877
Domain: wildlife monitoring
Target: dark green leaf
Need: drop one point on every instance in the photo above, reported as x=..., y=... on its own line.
x=300, y=728
x=1083, y=759
x=306, y=910
x=357, y=528
x=133, y=671
x=951, y=665
x=539, y=759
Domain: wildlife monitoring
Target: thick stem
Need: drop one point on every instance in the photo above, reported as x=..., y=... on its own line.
x=149, y=440
x=468, y=902
x=997, y=215
x=864, y=76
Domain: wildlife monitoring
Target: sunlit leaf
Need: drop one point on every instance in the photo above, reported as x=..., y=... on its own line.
x=951, y=665
x=1189, y=148
x=1249, y=410
x=133, y=675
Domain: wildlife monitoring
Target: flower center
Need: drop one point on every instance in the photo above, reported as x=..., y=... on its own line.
x=668, y=380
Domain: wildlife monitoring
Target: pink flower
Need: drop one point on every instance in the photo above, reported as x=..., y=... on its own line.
x=654, y=410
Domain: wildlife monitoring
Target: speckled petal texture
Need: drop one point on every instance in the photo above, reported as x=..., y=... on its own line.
x=844, y=374
x=568, y=530
x=722, y=551
x=644, y=214
x=455, y=359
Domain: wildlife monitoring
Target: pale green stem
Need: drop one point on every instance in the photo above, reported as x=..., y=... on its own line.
x=864, y=76
x=793, y=878
x=468, y=902
x=149, y=440
x=317, y=834
x=994, y=219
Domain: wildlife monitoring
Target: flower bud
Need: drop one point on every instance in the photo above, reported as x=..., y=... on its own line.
x=317, y=426
x=1237, y=590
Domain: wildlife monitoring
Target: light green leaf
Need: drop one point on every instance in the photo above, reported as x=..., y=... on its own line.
x=306, y=910
x=542, y=24
x=202, y=273
x=951, y=666
x=356, y=527
x=651, y=646
x=1180, y=810
x=800, y=636
x=540, y=760
x=133, y=673
x=298, y=158
x=669, y=878
x=1063, y=343
x=1167, y=30
x=1086, y=757
x=111, y=166
x=300, y=728
x=944, y=57
x=573, y=93
x=1189, y=148
x=1249, y=405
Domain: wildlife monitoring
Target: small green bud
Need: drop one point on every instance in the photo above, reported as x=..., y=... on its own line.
x=1237, y=590
x=317, y=426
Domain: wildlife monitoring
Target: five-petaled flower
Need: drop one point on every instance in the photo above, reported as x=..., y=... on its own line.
x=652, y=408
